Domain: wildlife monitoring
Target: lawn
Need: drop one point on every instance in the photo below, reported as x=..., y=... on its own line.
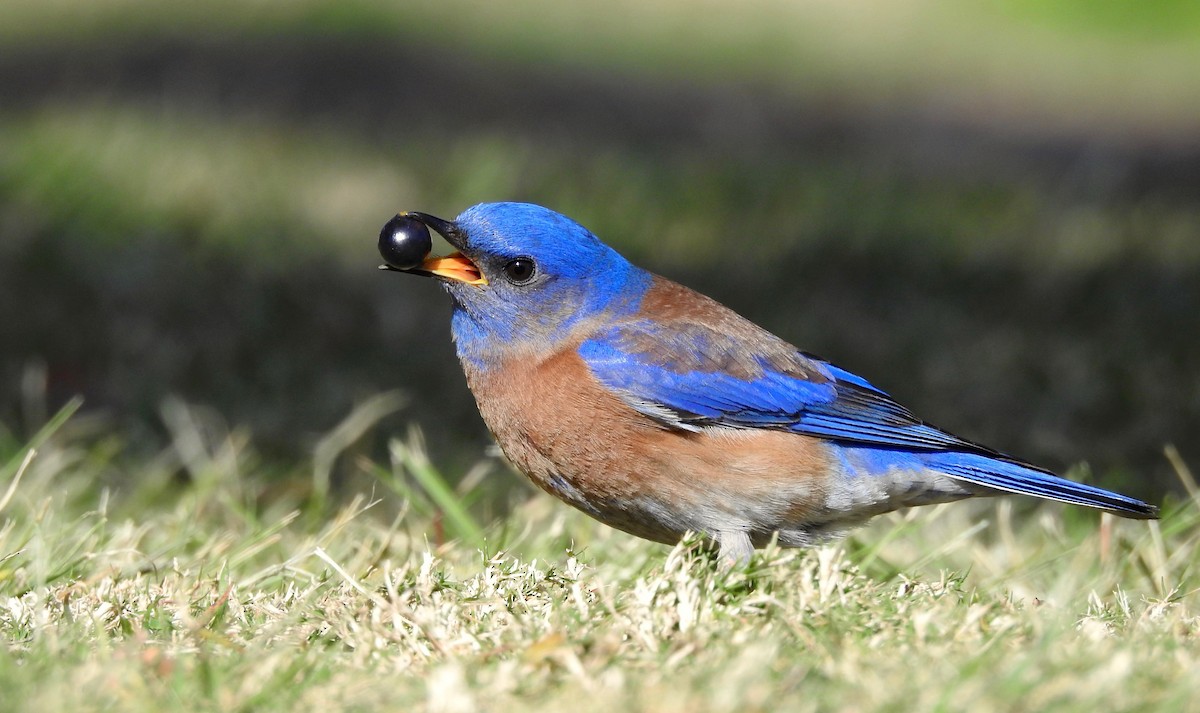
x=216, y=591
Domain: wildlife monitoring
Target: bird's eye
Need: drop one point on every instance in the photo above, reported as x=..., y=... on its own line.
x=520, y=271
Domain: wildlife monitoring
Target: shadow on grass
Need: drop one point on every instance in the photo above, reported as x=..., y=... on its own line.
x=1094, y=365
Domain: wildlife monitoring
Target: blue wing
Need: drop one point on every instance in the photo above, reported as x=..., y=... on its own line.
x=690, y=375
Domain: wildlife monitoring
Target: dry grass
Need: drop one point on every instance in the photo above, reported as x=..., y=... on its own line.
x=214, y=597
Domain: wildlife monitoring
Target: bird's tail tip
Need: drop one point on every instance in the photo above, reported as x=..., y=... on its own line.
x=1138, y=511
x=1018, y=478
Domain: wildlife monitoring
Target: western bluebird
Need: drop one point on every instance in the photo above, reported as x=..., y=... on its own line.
x=658, y=411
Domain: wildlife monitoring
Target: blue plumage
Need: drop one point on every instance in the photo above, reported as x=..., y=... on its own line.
x=790, y=390
x=819, y=400
x=1012, y=476
x=658, y=410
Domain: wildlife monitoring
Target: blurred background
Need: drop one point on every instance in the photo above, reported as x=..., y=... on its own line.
x=990, y=209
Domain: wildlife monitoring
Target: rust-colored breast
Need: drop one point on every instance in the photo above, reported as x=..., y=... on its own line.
x=581, y=443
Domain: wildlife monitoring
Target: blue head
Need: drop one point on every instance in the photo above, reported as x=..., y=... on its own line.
x=524, y=276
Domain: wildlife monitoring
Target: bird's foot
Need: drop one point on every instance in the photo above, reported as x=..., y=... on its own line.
x=736, y=549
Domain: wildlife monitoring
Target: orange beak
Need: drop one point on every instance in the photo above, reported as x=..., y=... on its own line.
x=454, y=266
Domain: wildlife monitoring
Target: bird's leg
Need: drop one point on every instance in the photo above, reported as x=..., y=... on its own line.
x=735, y=547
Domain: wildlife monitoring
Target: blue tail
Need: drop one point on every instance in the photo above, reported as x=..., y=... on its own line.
x=1014, y=477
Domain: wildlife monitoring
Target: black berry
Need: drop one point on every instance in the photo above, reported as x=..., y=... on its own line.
x=404, y=242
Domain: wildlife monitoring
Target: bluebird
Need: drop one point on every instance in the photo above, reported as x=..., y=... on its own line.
x=659, y=411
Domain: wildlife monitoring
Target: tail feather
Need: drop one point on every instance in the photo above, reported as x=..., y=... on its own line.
x=1013, y=477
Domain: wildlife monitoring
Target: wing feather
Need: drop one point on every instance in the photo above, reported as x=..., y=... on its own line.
x=690, y=375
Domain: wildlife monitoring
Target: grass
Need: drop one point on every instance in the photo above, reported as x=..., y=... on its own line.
x=105, y=176
x=1061, y=65
x=124, y=586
